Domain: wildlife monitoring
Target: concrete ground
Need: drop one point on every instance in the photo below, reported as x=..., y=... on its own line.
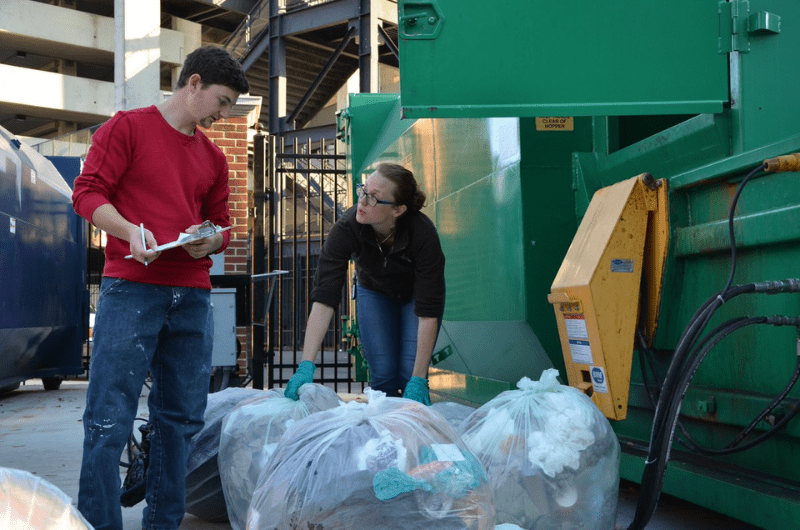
x=41, y=432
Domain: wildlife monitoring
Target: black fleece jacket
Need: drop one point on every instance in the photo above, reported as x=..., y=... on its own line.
x=413, y=266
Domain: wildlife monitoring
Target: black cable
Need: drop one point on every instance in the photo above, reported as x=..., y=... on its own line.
x=725, y=330
x=687, y=441
x=671, y=397
x=661, y=436
x=739, y=190
x=775, y=402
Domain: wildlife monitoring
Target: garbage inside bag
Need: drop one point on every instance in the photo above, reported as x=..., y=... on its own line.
x=550, y=454
x=204, y=497
x=454, y=413
x=250, y=433
x=32, y=503
x=390, y=463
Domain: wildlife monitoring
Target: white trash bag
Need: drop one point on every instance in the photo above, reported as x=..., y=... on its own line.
x=32, y=503
x=250, y=433
x=550, y=454
x=388, y=464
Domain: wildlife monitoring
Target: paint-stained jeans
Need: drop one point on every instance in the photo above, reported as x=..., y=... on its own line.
x=141, y=328
x=388, y=330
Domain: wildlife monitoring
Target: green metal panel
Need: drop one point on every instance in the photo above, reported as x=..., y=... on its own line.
x=463, y=388
x=491, y=350
x=548, y=216
x=764, y=77
x=470, y=171
x=468, y=58
x=371, y=132
x=472, y=182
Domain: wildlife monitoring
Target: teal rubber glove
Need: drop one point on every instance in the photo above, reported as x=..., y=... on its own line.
x=303, y=375
x=417, y=389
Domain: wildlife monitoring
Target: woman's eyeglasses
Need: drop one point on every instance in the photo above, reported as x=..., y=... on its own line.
x=370, y=199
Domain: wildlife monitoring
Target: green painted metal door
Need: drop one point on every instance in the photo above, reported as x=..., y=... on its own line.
x=472, y=58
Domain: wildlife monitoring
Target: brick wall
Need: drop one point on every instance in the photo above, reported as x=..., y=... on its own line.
x=231, y=136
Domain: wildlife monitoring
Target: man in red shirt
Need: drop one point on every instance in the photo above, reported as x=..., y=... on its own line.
x=149, y=176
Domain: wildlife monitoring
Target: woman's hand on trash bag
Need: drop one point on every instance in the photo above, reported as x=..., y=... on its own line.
x=303, y=375
x=417, y=389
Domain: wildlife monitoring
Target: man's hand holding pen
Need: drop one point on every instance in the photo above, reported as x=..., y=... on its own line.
x=142, y=243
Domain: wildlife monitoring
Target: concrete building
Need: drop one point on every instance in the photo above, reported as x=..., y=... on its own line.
x=68, y=65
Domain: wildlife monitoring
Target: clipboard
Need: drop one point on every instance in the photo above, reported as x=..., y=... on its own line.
x=184, y=238
x=207, y=229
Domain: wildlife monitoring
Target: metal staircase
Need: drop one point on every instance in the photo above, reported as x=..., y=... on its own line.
x=298, y=54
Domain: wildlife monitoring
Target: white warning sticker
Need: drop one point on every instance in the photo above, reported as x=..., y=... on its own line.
x=581, y=351
x=576, y=327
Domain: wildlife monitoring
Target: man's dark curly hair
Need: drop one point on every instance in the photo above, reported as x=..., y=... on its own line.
x=216, y=67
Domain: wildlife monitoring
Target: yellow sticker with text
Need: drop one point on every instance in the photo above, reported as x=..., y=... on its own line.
x=555, y=123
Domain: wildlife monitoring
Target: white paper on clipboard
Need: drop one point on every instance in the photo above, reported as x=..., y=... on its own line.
x=207, y=229
x=184, y=238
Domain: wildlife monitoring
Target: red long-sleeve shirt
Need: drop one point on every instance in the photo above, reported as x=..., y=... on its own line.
x=153, y=174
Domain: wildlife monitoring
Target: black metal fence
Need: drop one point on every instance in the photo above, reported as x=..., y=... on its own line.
x=300, y=190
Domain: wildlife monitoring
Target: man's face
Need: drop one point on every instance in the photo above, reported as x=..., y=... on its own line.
x=212, y=103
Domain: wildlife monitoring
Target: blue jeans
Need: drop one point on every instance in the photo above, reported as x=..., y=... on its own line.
x=388, y=330
x=141, y=328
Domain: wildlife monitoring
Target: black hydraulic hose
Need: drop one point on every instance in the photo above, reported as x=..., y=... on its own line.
x=663, y=431
x=774, y=403
x=673, y=390
x=718, y=333
x=732, y=236
x=644, y=360
x=792, y=409
x=686, y=440
x=658, y=456
x=723, y=331
x=684, y=348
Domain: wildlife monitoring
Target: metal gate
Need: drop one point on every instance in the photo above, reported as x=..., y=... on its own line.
x=300, y=190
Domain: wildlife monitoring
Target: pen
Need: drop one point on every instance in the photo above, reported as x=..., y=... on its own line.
x=144, y=243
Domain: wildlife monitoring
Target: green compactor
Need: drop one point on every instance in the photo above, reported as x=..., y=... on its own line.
x=617, y=192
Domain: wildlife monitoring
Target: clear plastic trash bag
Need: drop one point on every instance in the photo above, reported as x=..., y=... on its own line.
x=204, y=496
x=388, y=464
x=454, y=413
x=32, y=503
x=550, y=454
x=250, y=433
x=205, y=444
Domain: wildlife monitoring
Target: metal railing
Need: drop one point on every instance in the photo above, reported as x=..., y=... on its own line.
x=306, y=189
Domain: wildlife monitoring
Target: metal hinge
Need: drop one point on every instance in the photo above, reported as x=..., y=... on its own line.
x=736, y=24
x=733, y=26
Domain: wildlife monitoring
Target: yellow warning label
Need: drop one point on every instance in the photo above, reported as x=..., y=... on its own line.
x=555, y=123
